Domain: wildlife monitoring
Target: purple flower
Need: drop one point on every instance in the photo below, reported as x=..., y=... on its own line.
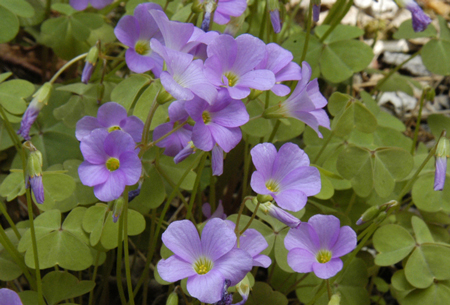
x=253, y=243
x=285, y=175
x=231, y=64
x=279, y=61
x=218, y=213
x=442, y=153
x=110, y=163
x=280, y=214
x=136, y=32
x=316, y=12
x=87, y=72
x=9, y=297
x=188, y=150
x=227, y=8
x=304, y=104
x=175, y=142
x=420, y=20
x=275, y=20
x=80, y=5
x=217, y=123
x=110, y=116
x=217, y=160
x=205, y=262
x=318, y=244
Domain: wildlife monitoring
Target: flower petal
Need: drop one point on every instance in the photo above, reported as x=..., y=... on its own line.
x=291, y=200
x=174, y=269
x=345, y=243
x=227, y=138
x=327, y=228
x=181, y=237
x=224, y=47
x=440, y=173
x=118, y=142
x=301, y=260
x=263, y=156
x=300, y=238
x=262, y=261
x=111, y=114
x=253, y=242
x=207, y=288
x=92, y=174
x=217, y=239
x=175, y=34
x=133, y=126
x=305, y=179
x=127, y=29
x=257, y=79
x=202, y=138
x=9, y=297
x=92, y=147
x=139, y=63
x=85, y=126
x=289, y=157
x=258, y=183
x=217, y=161
x=234, y=115
x=234, y=265
x=250, y=52
x=112, y=188
x=238, y=92
x=130, y=166
x=174, y=88
x=147, y=24
x=327, y=270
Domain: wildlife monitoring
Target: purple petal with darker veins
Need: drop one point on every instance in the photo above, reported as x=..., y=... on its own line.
x=250, y=52
x=217, y=239
x=79, y=5
x=174, y=269
x=314, y=94
x=177, y=111
x=9, y=297
x=224, y=47
x=311, y=119
x=85, y=126
x=440, y=173
x=263, y=156
x=217, y=160
x=112, y=188
x=202, y=137
x=139, y=63
x=127, y=30
x=291, y=200
x=92, y=147
x=174, y=88
x=195, y=108
x=345, y=243
x=207, y=288
x=147, y=24
x=234, y=265
x=226, y=138
x=131, y=166
x=253, y=242
x=231, y=8
x=290, y=72
x=92, y=174
x=233, y=115
x=304, y=178
x=301, y=260
x=133, y=126
x=327, y=228
x=111, y=114
x=118, y=142
x=184, y=153
x=257, y=79
x=175, y=34
x=238, y=92
x=258, y=183
x=38, y=188
x=300, y=237
x=181, y=237
x=420, y=20
x=328, y=270
x=289, y=157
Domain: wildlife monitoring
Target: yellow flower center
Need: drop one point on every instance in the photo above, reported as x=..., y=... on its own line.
x=112, y=164
x=232, y=78
x=203, y=265
x=206, y=117
x=113, y=128
x=323, y=256
x=142, y=47
x=272, y=186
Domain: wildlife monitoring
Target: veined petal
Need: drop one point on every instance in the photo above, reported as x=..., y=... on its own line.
x=327, y=228
x=345, y=243
x=263, y=157
x=300, y=238
x=232, y=7
x=92, y=174
x=175, y=89
x=234, y=115
x=280, y=90
x=138, y=63
x=217, y=239
x=177, y=111
x=289, y=157
x=147, y=23
x=258, y=183
x=234, y=265
x=127, y=29
x=314, y=94
x=111, y=114
x=133, y=126
x=131, y=166
x=278, y=57
x=440, y=173
x=195, y=108
x=92, y=147
x=257, y=79
x=207, y=288
x=328, y=270
x=290, y=72
x=238, y=92
x=118, y=142
x=217, y=162
x=291, y=200
x=250, y=51
x=305, y=179
x=174, y=269
x=99, y=4
x=202, y=138
x=227, y=138
x=85, y=126
x=9, y=297
x=301, y=260
x=253, y=242
x=224, y=48
x=175, y=34
x=112, y=188
x=181, y=237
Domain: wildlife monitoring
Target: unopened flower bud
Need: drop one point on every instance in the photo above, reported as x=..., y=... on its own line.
x=91, y=61
x=243, y=287
x=209, y=6
x=316, y=9
x=274, y=11
x=164, y=97
x=172, y=299
x=118, y=207
x=369, y=215
x=188, y=150
x=430, y=94
x=134, y=193
x=280, y=214
x=264, y=198
x=381, y=217
x=335, y=299
x=275, y=112
x=34, y=172
x=40, y=98
x=420, y=20
x=442, y=154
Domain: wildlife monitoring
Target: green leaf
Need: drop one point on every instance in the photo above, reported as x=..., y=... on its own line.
x=262, y=294
x=5, y=76
x=127, y=90
x=444, y=31
x=437, y=49
x=385, y=119
x=259, y=127
x=394, y=243
x=176, y=171
x=337, y=103
x=19, y=7
x=12, y=186
x=341, y=59
x=152, y=193
x=438, y=123
x=144, y=103
x=57, y=187
x=406, y=31
x=58, y=286
x=397, y=161
x=437, y=293
x=429, y=200
x=398, y=82
x=9, y=270
x=13, y=94
x=63, y=8
x=370, y=103
x=281, y=252
x=38, y=16
x=355, y=115
x=426, y=264
x=341, y=32
x=352, y=285
x=9, y=23
x=400, y=282
x=327, y=189
x=421, y=231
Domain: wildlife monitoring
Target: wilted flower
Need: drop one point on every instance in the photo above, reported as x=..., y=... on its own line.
x=205, y=262
x=40, y=98
x=318, y=245
x=80, y=5
x=285, y=175
x=304, y=104
x=442, y=154
x=9, y=297
x=110, y=116
x=136, y=32
x=231, y=64
x=111, y=163
x=420, y=20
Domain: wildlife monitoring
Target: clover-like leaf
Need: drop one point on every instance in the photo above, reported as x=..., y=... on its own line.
x=58, y=286
x=394, y=243
x=429, y=200
x=129, y=89
x=262, y=294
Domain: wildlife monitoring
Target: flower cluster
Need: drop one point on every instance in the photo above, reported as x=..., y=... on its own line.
x=108, y=145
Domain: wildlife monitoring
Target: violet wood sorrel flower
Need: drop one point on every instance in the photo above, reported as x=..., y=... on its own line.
x=217, y=123
x=9, y=297
x=285, y=175
x=80, y=5
x=175, y=142
x=136, y=32
x=231, y=64
x=110, y=116
x=420, y=20
x=111, y=163
x=442, y=154
x=34, y=172
x=316, y=246
x=304, y=104
x=223, y=10
x=205, y=262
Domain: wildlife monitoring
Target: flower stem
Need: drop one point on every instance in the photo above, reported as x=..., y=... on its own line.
x=147, y=125
x=212, y=191
x=294, y=286
x=125, y=241
x=251, y=219
x=123, y=300
x=419, y=117
x=328, y=289
x=308, y=33
x=274, y=131
x=68, y=64
x=337, y=21
x=166, y=135
x=241, y=209
x=10, y=221
x=246, y=167
x=94, y=276
x=327, y=141
x=196, y=185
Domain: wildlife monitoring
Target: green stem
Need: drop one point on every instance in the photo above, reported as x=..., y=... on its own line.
x=335, y=9
x=9, y=220
x=419, y=117
x=167, y=134
x=68, y=64
x=241, y=209
x=94, y=276
x=251, y=219
x=327, y=141
x=328, y=289
x=308, y=33
x=125, y=241
x=212, y=192
x=123, y=300
x=274, y=131
x=337, y=21
x=350, y=205
x=294, y=286
x=246, y=167
x=263, y=23
x=196, y=185
x=387, y=76
x=147, y=125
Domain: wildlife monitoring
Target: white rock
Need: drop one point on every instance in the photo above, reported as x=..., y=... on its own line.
x=402, y=101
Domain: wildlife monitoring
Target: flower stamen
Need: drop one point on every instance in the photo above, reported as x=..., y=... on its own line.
x=323, y=256
x=142, y=47
x=206, y=116
x=203, y=265
x=112, y=164
x=272, y=186
x=113, y=128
